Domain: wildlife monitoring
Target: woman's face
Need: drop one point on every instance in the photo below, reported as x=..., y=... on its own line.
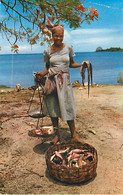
x=58, y=37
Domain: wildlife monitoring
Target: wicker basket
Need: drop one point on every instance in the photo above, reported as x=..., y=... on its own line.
x=71, y=174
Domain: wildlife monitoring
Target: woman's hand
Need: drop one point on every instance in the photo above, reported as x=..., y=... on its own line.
x=38, y=75
x=74, y=64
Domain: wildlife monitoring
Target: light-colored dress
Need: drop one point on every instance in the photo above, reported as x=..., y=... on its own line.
x=62, y=104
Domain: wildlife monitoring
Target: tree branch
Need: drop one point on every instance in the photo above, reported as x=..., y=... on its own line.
x=5, y=4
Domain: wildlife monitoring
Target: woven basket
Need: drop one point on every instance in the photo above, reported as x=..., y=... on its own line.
x=71, y=174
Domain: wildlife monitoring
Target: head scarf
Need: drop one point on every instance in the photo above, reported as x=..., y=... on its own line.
x=54, y=28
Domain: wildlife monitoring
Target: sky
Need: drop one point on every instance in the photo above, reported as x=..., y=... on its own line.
x=106, y=32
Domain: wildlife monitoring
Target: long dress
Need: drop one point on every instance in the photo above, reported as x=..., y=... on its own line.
x=62, y=104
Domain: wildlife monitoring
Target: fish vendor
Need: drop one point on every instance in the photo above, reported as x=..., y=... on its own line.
x=58, y=59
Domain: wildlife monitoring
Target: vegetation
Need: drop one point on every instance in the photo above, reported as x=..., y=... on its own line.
x=29, y=19
x=120, y=77
x=99, y=49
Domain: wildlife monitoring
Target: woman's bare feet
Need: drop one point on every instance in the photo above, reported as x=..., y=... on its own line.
x=54, y=140
x=76, y=139
x=74, y=136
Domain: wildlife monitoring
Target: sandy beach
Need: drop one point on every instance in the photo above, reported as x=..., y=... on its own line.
x=99, y=122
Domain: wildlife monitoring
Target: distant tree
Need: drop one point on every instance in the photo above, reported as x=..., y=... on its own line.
x=99, y=49
x=19, y=14
x=114, y=49
x=109, y=49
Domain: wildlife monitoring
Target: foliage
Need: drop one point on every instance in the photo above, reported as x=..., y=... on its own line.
x=19, y=14
x=99, y=49
x=120, y=77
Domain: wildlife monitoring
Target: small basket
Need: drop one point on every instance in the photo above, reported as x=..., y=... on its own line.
x=71, y=174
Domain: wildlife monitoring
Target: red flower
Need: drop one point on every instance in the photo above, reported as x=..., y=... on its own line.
x=24, y=33
x=38, y=11
x=80, y=7
x=61, y=19
x=15, y=46
x=48, y=33
x=33, y=41
x=30, y=31
x=37, y=36
x=48, y=22
x=93, y=11
x=50, y=10
x=59, y=7
x=68, y=3
x=80, y=19
x=43, y=27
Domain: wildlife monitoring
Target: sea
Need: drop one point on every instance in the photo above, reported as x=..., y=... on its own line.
x=19, y=68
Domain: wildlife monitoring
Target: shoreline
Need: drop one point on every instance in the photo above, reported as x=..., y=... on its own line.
x=5, y=89
x=73, y=84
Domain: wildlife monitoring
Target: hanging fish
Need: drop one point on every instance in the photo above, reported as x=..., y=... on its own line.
x=86, y=64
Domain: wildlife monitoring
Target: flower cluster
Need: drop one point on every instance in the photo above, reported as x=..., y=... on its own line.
x=93, y=13
x=80, y=7
x=34, y=39
x=23, y=33
x=15, y=48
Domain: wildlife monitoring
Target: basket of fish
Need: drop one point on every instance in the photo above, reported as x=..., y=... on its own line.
x=72, y=162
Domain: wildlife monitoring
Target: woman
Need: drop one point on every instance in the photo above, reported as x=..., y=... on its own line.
x=58, y=58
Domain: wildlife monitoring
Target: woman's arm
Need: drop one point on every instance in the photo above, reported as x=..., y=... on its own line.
x=74, y=64
x=43, y=73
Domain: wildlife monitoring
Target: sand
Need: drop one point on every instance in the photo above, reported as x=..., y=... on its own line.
x=99, y=122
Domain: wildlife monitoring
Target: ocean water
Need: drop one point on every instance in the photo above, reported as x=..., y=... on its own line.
x=19, y=68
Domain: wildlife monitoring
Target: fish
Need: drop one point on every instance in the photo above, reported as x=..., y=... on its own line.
x=89, y=156
x=51, y=159
x=73, y=163
x=64, y=151
x=57, y=160
x=48, y=129
x=86, y=64
x=58, y=154
x=38, y=132
x=72, y=158
x=78, y=151
x=79, y=162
